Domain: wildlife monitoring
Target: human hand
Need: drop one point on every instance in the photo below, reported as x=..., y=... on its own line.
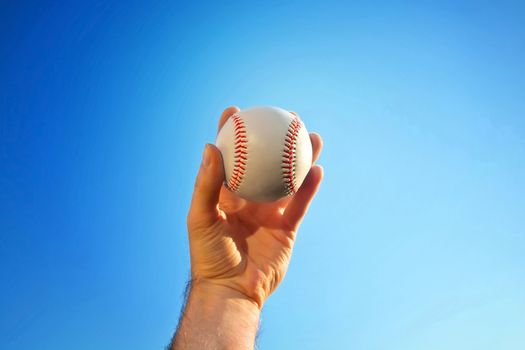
x=241, y=246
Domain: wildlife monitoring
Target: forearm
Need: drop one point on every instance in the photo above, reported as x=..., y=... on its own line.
x=217, y=317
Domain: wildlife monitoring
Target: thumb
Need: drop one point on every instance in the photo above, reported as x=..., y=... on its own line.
x=208, y=185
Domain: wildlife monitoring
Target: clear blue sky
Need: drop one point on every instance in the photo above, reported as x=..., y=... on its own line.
x=415, y=241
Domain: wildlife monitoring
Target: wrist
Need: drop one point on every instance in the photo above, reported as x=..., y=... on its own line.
x=253, y=285
x=215, y=293
x=217, y=317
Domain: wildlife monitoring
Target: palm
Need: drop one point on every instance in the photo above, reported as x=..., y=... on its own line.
x=261, y=237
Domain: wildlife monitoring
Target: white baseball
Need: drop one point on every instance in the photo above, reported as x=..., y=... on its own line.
x=266, y=151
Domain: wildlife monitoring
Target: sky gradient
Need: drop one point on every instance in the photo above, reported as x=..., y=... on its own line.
x=416, y=239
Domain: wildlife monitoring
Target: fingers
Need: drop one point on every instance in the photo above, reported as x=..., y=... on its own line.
x=317, y=145
x=228, y=112
x=300, y=202
x=208, y=185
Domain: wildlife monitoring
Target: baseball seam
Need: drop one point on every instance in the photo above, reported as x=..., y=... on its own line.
x=240, y=153
x=289, y=156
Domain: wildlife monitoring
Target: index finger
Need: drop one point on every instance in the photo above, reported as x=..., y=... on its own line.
x=228, y=112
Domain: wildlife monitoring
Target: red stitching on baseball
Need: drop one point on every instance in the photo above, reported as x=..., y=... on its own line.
x=289, y=156
x=240, y=153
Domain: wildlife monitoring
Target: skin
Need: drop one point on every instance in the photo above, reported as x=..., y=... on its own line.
x=240, y=252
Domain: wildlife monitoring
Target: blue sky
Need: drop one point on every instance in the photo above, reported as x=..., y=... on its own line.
x=415, y=240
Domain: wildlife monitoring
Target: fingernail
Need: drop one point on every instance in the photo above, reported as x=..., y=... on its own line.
x=206, y=156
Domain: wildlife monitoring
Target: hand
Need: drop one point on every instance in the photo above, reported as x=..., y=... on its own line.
x=241, y=246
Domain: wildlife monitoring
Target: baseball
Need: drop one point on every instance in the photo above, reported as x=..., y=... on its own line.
x=266, y=152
